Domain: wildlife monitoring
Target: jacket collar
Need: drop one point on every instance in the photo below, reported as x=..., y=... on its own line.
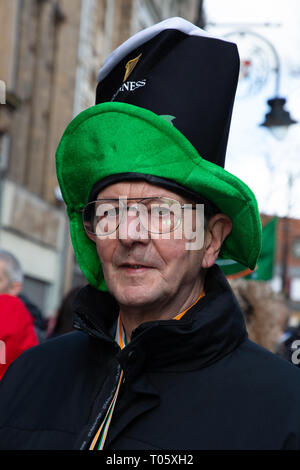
x=211, y=329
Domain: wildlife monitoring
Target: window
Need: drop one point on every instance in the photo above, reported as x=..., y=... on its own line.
x=296, y=248
x=4, y=151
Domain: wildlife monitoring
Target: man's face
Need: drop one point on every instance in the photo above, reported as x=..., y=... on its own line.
x=146, y=271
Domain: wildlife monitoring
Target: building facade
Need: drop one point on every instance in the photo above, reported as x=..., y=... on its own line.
x=286, y=272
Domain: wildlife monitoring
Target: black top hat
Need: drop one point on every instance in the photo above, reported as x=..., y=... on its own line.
x=177, y=71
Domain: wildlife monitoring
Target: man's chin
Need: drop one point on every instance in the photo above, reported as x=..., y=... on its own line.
x=135, y=296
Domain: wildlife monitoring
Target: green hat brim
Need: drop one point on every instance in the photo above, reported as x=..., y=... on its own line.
x=115, y=137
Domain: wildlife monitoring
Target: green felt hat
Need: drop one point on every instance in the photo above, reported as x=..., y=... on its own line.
x=112, y=138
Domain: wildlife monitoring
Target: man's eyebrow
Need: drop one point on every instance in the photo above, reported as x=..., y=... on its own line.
x=154, y=196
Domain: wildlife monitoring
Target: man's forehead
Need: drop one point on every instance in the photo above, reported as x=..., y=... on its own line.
x=137, y=189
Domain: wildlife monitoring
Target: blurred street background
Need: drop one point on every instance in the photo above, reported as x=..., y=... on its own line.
x=50, y=53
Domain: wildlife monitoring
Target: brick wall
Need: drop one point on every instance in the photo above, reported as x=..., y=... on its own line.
x=46, y=61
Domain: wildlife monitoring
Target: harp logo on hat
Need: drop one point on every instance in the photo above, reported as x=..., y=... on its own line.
x=130, y=66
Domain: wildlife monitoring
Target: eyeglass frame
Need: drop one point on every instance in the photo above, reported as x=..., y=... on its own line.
x=181, y=206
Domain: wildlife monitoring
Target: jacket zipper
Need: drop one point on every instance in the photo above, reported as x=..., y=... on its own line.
x=96, y=423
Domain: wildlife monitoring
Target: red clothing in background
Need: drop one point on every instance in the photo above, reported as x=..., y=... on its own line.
x=16, y=330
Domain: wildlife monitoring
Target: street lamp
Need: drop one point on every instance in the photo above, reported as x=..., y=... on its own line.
x=278, y=120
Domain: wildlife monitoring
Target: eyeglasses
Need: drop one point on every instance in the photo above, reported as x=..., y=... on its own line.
x=156, y=214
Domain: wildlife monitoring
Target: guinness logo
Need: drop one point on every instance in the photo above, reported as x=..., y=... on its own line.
x=130, y=66
x=130, y=86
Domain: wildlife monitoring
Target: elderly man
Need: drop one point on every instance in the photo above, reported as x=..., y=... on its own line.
x=161, y=359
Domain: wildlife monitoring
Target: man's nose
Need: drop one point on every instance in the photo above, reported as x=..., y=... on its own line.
x=131, y=229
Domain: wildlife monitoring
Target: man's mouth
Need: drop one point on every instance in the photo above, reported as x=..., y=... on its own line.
x=135, y=268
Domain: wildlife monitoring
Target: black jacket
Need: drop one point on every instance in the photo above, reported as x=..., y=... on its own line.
x=40, y=323
x=194, y=383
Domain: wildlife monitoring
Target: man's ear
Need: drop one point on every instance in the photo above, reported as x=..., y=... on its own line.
x=218, y=228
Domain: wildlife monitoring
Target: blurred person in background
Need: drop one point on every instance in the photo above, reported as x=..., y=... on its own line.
x=265, y=312
x=62, y=322
x=11, y=282
x=11, y=275
x=267, y=318
x=17, y=332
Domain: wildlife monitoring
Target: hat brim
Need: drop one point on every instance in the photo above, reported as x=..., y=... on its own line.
x=115, y=137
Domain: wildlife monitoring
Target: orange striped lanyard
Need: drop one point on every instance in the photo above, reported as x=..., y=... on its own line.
x=101, y=434
x=120, y=338
x=180, y=315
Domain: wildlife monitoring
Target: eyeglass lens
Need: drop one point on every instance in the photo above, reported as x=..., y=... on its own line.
x=157, y=215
